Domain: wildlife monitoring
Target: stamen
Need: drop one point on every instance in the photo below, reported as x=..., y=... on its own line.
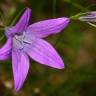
x=21, y=41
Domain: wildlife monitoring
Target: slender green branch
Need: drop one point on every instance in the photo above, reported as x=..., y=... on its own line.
x=15, y=19
x=2, y=37
x=77, y=16
x=76, y=5
x=73, y=17
x=54, y=8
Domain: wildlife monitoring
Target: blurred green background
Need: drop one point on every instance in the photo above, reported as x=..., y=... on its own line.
x=76, y=44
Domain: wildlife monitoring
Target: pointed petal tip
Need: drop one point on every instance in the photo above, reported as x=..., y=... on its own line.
x=28, y=9
x=17, y=89
x=61, y=66
x=21, y=25
x=16, y=86
x=48, y=27
x=20, y=65
x=64, y=21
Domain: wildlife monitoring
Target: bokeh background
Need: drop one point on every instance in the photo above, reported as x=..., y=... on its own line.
x=76, y=44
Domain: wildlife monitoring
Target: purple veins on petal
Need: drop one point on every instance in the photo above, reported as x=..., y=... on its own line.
x=42, y=52
x=47, y=27
x=20, y=65
x=5, y=51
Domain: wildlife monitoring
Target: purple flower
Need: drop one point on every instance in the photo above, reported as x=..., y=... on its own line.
x=88, y=16
x=24, y=41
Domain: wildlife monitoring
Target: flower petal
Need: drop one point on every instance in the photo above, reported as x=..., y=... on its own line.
x=42, y=52
x=20, y=64
x=6, y=50
x=48, y=27
x=21, y=25
x=24, y=21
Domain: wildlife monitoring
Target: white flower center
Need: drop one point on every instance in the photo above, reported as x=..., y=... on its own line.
x=20, y=41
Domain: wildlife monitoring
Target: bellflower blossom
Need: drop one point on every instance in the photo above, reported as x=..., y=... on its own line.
x=88, y=16
x=25, y=40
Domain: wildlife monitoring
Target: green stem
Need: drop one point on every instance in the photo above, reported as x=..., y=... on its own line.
x=15, y=19
x=72, y=17
x=54, y=8
x=2, y=37
x=76, y=5
x=77, y=16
